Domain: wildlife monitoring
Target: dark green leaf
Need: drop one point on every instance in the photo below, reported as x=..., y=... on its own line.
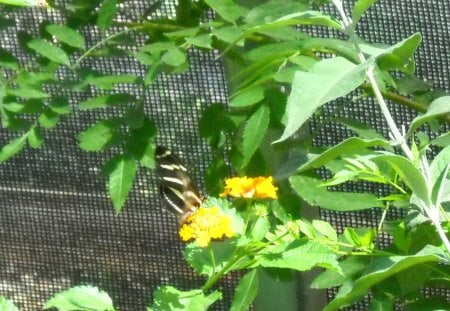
x=108, y=82
x=121, y=171
x=11, y=148
x=35, y=137
x=49, y=50
x=169, y=298
x=81, y=298
x=428, y=304
x=7, y=60
x=107, y=100
x=215, y=175
x=106, y=13
x=254, y=131
x=48, y=119
x=360, y=8
x=245, y=292
x=438, y=107
x=140, y=143
x=6, y=21
x=67, y=35
x=311, y=190
x=60, y=105
x=227, y=9
x=27, y=92
x=135, y=115
x=100, y=136
x=329, y=79
x=248, y=97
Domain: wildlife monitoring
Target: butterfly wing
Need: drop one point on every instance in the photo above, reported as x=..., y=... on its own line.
x=178, y=191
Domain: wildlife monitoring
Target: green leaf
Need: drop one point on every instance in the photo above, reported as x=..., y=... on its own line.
x=30, y=106
x=27, y=92
x=140, y=143
x=329, y=79
x=272, y=11
x=7, y=305
x=360, y=8
x=48, y=119
x=325, y=228
x=201, y=41
x=121, y=171
x=169, y=298
x=13, y=147
x=380, y=269
x=428, y=304
x=245, y=292
x=108, y=82
x=254, y=131
x=439, y=107
x=35, y=137
x=100, y=136
x=26, y=3
x=174, y=57
x=301, y=255
x=67, y=35
x=107, y=100
x=227, y=9
x=230, y=34
x=248, y=97
x=60, y=105
x=349, y=146
x=106, y=14
x=360, y=128
x=7, y=60
x=49, y=50
x=81, y=298
x=442, y=140
x=409, y=174
x=382, y=301
x=311, y=190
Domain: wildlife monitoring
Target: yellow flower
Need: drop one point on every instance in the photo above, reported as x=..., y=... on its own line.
x=246, y=187
x=206, y=224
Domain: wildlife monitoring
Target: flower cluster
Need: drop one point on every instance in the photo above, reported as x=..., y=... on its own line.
x=247, y=187
x=206, y=224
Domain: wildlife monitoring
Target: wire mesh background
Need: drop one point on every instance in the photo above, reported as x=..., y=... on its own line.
x=57, y=225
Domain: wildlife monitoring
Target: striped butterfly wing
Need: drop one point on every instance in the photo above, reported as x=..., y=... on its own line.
x=178, y=191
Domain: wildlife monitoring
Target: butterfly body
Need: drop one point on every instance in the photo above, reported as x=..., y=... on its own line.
x=178, y=191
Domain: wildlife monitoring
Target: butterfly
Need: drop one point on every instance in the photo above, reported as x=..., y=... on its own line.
x=178, y=191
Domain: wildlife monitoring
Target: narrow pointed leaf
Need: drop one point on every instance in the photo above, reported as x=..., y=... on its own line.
x=245, y=292
x=67, y=35
x=13, y=147
x=254, y=132
x=49, y=50
x=106, y=13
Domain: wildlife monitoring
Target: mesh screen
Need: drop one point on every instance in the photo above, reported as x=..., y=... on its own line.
x=58, y=227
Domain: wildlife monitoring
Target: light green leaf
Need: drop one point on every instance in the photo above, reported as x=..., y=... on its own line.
x=227, y=9
x=49, y=50
x=245, y=292
x=35, y=137
x=438, y=107
x=329, y=79
x=60, y=105
x=27, y=92
x=273, y=10
x=108, y=82
x=48, y=119
x=440, y=177
x=360, y=8
x=100, y=136
x=201, y=41
x=27, y=3
x=67, y=35
x=106, y=13
x=7, y=305
x=311, y=190
x=81, y=298
x=380, y=269
x=230, y=34
x=169, y=298
x=259, y=229
x=301, y=255
x=254, y=131
x=174, y=57
x=325, y=228
x=7, y=60
x=349, y=146
x=247, y=97
x=107, y=100
x=13, y=147
x=121, y=171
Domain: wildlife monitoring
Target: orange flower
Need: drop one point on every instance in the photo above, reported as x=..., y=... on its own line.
x=206, y=224
x=245, y=187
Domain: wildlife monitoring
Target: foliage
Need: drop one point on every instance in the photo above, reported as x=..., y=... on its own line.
x=281, y=78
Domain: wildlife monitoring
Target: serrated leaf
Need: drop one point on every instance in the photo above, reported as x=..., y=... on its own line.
x=248, y=97
x=7, y=305
x=438, y=107
x=13, y=147
x=49, y=50
x=254, y=131
x=35, y=137
x=106, y=13
x=311, y=190
x=301, y=255
x=7, y=60
x=329, y=79
x=107, y=100
x=121, y=171
x=174, y=57
x=360, y=8
x=48, y=119
x=81, y=298
x=67, y=35
x=380, y=269
x=245, y=292
x=169, y=298
x=100, y=136
x=227, y=9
